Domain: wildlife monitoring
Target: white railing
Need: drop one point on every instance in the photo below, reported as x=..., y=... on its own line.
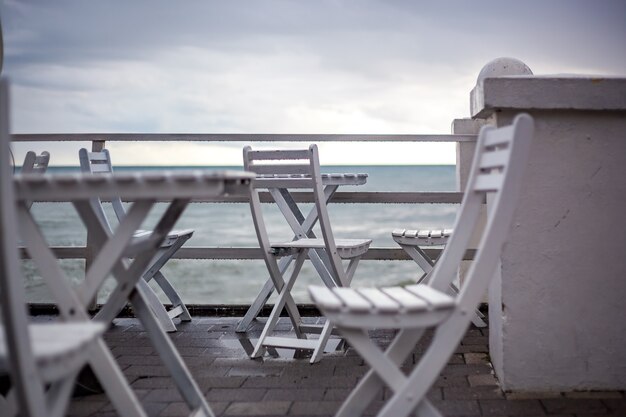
x=98, y=141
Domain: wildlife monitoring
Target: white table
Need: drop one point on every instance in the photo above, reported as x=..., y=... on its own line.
x=112, y=253
x=302, y=226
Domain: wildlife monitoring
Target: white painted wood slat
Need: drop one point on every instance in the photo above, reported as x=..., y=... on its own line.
x=494, y=159
x=435, y=299
x=325, y=297
x=381, y=301
x=488, y=182
x=409, y=301
x=353, y=301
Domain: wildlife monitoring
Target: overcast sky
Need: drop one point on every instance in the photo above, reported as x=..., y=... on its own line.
x=372, y=66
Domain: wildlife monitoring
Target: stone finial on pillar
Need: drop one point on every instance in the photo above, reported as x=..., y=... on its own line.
x=497, y=68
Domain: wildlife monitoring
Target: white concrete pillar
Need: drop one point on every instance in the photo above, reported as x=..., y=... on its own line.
x=558, y=309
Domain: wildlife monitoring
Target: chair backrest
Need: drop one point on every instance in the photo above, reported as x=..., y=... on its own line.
x=35, y=164
x=291, y=169
x=100, y=163
x=497, y=169
x=24, y=374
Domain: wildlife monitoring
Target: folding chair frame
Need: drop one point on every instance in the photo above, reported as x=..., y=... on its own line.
x=100, y=162
x=326, y=253
x=412, y=240
x=498, y=167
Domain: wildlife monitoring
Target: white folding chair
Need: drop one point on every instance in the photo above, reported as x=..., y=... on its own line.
x=412, y=242
x=42, y=359
x=498, y=167
x=100, y=163
x=279, y=171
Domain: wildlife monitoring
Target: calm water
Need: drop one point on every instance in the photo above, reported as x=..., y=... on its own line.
x=238, y=281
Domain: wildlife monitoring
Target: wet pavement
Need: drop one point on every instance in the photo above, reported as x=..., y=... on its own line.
x=284, y=383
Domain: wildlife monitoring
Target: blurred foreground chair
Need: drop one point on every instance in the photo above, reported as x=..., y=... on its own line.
x=41, y=359
x=280, y=172
x=412, y=242
x=100, y=163
x=498, y=169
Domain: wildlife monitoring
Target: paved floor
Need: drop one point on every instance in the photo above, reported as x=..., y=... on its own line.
x=235, y=385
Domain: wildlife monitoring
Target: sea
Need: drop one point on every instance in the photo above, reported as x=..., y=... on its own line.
x=230, y=225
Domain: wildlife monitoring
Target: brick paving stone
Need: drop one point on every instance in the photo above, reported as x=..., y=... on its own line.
x=467, y=369
x=574, y=405
x=177, y=409
x=265, y=408
x=594, y=394
x=338, y=394
x=153, y=382
x=458, y=408
x=236, y=385
x=480, y=380
x=85, y=407
x=294, y=394
x=146, y=370
x=525, y=395
x=163, y=395
x=472, y=393
x=505, y=407
x=314, y=408
x=475, y=340
x=451, y=381
x=472, y=358
x=235, y=394
x=206, y=383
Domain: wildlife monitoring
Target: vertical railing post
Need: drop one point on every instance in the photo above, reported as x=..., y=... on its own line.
x=96, y=146
x=464, y=156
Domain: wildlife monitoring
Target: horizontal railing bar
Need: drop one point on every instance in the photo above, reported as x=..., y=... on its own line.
x=373, y=197
x=234, y=137
x=246, y=253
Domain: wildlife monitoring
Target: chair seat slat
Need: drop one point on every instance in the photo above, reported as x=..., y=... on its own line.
x=324, y=296
x=381, y=301
x=353, y=301
x=409, y=301
x=435, y=299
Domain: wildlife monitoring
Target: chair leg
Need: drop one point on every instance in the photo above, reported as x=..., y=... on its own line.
x=413, y=392
x=114, y=382
x=157, y=308
x=58, y=395
x=322, y=341
x=262, y=297
x=284, y=294
x=172, y=360
x=174, y=297
x=364, y=393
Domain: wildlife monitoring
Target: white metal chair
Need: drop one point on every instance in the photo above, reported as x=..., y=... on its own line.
x=42, y=359
x=100, y=163
x=279, y=171
x=498, y=167
x=412, y=242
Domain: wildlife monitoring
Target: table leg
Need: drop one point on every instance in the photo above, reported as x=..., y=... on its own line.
x=168, y=353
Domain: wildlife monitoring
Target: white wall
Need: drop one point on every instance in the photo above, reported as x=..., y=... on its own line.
x=558, y=312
